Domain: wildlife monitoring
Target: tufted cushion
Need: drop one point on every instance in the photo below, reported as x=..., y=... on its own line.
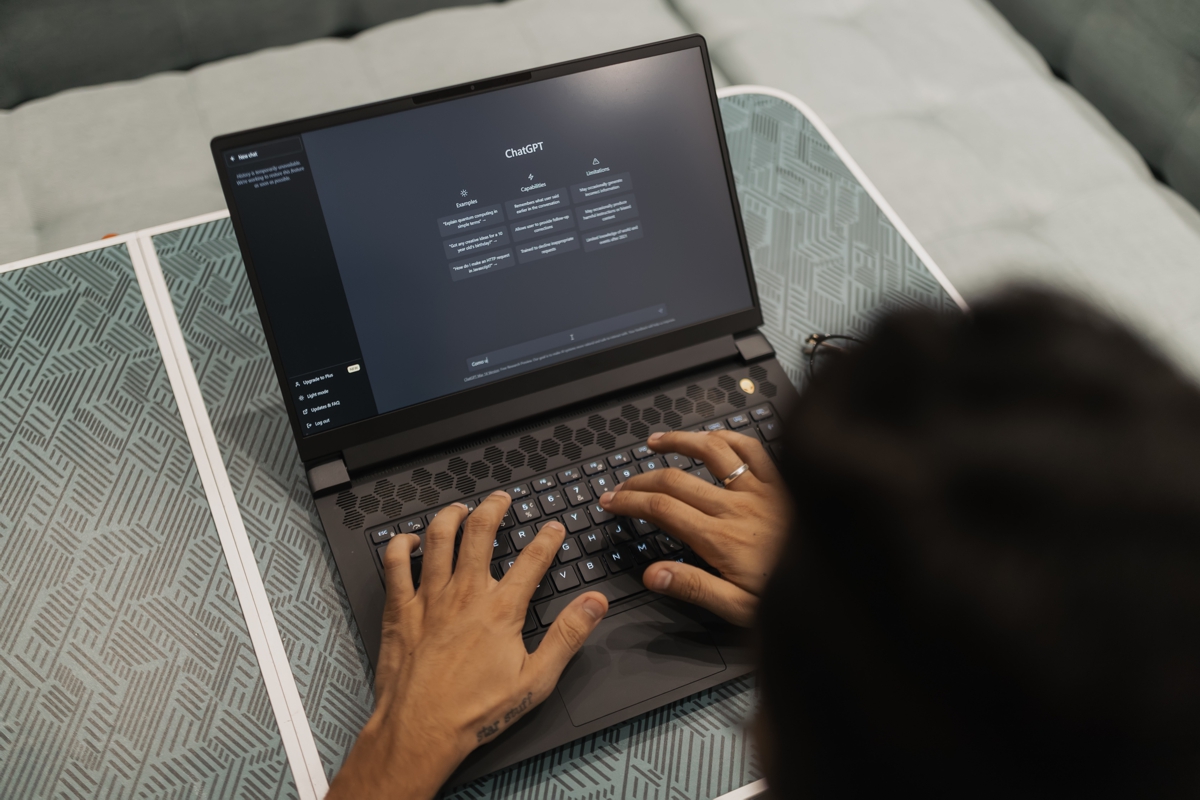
x=1138, y=61
x=1002, y=171
x=123, y=156
x=47, y=46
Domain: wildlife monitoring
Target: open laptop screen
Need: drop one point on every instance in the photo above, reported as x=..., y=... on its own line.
x=409, y=256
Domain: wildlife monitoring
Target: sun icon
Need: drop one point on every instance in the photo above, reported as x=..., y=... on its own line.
x=463, y=192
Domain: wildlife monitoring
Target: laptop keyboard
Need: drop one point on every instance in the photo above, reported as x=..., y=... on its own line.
x=600, y=552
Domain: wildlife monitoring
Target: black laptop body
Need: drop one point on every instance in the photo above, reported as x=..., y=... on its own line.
x=509, y=284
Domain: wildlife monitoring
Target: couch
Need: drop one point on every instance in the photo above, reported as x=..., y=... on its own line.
x=1001, y=169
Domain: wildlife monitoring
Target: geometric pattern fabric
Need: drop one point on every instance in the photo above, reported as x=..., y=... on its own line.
x=826, y=257
x=125, y=666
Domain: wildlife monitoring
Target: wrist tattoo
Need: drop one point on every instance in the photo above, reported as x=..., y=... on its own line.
x=518, y=710
x=487, y=731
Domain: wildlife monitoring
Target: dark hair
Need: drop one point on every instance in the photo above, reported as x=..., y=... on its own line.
x=993, y=585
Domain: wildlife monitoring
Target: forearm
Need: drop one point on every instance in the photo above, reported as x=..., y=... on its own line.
x=390, y=762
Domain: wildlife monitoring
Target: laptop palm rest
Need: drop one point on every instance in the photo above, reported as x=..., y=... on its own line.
x=634, y=656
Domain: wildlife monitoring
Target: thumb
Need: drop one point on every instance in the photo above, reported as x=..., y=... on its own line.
x=683, y=582
x=566, y=636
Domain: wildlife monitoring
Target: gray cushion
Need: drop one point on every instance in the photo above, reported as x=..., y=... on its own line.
x=1001, y=170
x=1138, y=62
x=47, y=46
x=124, y=156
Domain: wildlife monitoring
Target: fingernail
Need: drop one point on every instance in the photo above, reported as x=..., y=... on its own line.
x=554, y=525
x=593, y=608
x=654, y=437
x=499, y=493
x=606, y=498
x=661, y=580
x=463, y=506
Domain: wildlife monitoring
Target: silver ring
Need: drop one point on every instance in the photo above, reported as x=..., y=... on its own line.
x=737, y=473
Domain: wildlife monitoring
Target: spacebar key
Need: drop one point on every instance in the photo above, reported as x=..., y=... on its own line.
x=618, y=588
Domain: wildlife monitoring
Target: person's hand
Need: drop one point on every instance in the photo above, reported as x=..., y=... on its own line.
x=453, y=672
x=739, y=530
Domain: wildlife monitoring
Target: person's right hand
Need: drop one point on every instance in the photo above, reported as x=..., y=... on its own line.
x=739, y=530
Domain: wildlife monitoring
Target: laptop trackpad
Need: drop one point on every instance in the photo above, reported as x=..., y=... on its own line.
x=635, y=656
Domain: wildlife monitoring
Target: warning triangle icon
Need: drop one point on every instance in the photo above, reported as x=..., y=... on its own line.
x=595, y=161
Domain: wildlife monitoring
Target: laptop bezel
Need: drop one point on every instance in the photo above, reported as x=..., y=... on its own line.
x=328, y=444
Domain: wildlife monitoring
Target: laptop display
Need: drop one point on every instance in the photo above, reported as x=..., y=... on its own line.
x=413, y=255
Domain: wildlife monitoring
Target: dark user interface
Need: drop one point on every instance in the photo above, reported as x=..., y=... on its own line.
x=411, y=256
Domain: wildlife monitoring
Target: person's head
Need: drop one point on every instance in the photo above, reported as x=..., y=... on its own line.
x=993, y=585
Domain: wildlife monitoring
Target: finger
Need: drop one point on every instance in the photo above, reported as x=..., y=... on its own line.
x=699, y=494
x=703, y=589
x=531, y=565
x=571, y=628
x=479, y=533
x=397, y=568
x=439, y=546
x=751, y=451
x=714, y=451
x=673, y=516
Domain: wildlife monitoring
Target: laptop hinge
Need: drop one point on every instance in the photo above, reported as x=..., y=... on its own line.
x=369, y=455
x=753, y=346
x=327, y=477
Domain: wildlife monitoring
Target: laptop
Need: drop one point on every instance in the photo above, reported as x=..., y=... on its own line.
x=509, y=284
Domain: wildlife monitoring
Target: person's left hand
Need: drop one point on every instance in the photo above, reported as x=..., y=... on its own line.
x=453, y=672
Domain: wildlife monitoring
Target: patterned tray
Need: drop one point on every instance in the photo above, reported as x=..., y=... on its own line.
x=125, y=666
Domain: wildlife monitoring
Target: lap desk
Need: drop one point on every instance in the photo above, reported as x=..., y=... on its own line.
x=171, y=620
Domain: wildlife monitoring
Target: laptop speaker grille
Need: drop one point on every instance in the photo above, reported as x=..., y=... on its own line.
x=497, y=464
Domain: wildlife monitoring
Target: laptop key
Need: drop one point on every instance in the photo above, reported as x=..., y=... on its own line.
x=592, y=467
x=522, y=537
x=601, y=484
x=715, y=425
x=507, y=520
x=592, y=569
x=530, y=622
x=576, y=520
x=543, y=483
x=542, y=591
x=644, y=551
x=642, y=451
x=644, y=526
x=771, y=430
x=667, y=544
x=618, y=459
x=577, y=494
x=518, y=491
x=652, y=464
x=620, y=559
x=761, y=413
x=500, y=546
x=568, y=475
x=704, y=475
x=593, y=542
x=678, y=461
x=623, y=474
x=738, y=420
x=526, y=510
x=569, y=550
x=618, y=588
x=598, y=514
x=552, y=502
x=564, y=578
x=383, y=534
x=618, y=532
